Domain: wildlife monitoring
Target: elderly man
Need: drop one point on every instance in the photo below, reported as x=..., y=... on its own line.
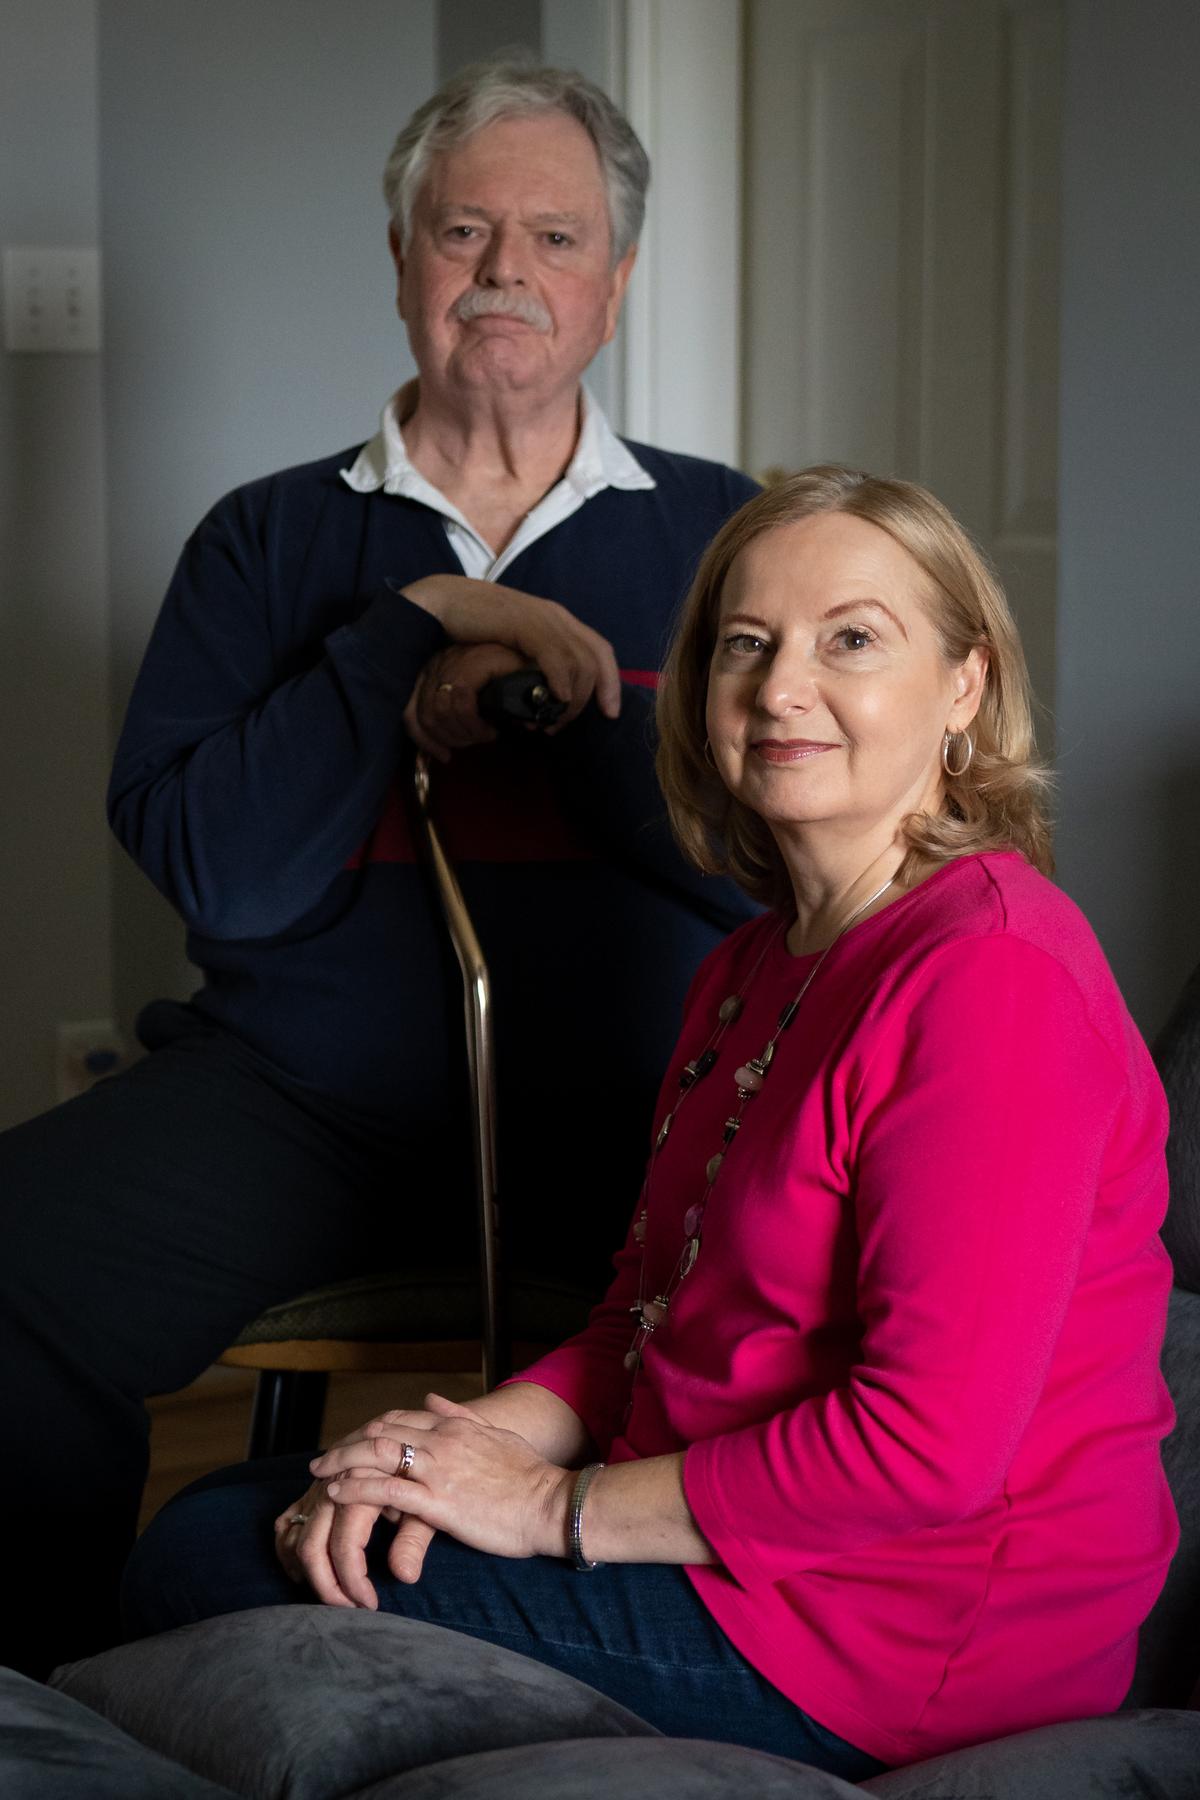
x=301, y=1119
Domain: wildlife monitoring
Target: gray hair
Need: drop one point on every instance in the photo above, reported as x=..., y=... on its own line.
x=487, y=91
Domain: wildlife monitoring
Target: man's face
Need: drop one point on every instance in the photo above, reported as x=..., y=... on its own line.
x=506, y=286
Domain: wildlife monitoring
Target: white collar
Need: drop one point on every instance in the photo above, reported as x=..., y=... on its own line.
x=601, y=460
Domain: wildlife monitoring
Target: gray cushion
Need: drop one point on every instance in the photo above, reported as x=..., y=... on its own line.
x=1155, y=1754
x=1169, y=1647
x=51, y=1748
x=1177, y=1053
x=676, y=1769
x=309, y=1702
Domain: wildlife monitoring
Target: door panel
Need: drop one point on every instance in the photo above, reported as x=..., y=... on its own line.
x=901, y=260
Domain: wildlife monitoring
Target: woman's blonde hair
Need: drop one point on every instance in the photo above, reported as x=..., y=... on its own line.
x=997, y=803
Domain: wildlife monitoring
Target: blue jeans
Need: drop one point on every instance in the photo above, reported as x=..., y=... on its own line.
x=637, y=1632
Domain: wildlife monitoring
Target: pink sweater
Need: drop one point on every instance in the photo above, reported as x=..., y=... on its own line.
x=915, y=1367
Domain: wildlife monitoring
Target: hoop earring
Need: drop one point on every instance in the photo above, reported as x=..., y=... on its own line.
x=709, y=758
x=948, y=738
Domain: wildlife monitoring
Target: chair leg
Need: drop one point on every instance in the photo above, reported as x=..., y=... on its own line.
x=289, y=1405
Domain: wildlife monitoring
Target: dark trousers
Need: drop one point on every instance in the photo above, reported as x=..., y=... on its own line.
x=142, y=1226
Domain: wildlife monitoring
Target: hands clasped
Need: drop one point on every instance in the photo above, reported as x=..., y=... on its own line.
x=494, y=629
x=443, y=713
x=484, y=1485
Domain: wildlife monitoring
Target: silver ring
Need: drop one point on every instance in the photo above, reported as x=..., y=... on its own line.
x=299, y=1518
x=444, y=687
x=408, y=1456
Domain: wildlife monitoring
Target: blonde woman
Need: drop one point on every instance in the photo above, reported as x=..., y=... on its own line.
x=873, y=1468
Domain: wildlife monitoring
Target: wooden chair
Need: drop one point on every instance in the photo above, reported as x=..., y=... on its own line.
x=451, y=1320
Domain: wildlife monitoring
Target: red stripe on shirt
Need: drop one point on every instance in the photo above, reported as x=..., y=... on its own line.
x=495, y=803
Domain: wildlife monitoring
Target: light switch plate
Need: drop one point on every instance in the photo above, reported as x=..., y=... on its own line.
x=51, y=298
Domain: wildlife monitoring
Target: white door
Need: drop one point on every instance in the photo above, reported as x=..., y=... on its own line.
x=901, y=227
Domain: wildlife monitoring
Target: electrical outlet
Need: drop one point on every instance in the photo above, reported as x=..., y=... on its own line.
x=51, y=298
x=86, y=1051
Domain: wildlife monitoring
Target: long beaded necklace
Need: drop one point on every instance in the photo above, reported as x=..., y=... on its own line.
x=748, y=1079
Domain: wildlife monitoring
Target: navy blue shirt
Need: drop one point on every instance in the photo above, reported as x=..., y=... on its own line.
x=262, y=782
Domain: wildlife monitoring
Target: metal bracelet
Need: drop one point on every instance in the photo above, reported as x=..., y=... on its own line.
x=583, y=1482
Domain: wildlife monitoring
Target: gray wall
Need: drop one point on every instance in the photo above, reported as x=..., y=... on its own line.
x=250, y=324
x=251, y=319
x=54, y=716
x=251, y=316
x=227, y=159
x=1128, y=704
x=467, y=32
x=572, y=34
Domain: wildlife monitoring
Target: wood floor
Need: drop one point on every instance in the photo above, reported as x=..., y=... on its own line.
x=205, y=1426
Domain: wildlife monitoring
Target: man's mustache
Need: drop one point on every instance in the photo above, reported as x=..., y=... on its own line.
x=480, y=303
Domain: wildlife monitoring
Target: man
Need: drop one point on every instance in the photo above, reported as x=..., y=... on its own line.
x=301, y=1119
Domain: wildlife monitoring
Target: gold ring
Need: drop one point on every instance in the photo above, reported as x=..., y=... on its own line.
x=444, y=687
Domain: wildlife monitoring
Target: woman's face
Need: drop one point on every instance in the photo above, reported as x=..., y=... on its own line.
x=828, y=693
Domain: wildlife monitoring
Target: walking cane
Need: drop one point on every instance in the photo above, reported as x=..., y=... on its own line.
x=520, y=700
x=481, y=1066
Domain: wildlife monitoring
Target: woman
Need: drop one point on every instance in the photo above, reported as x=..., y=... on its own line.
x=878, y=1473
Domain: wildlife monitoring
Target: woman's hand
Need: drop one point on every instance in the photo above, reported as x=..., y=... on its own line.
x=484, y=1485
x=326, y=1545
x=575, y=660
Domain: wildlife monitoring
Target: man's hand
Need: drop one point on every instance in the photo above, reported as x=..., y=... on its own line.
x=442, y=714
x=576, y=661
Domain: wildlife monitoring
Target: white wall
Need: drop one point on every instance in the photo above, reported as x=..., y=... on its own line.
x=54, y=720
x=1128, y=704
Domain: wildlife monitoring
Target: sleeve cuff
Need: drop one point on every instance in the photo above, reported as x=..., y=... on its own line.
x=729, y=1547
x=393, y=639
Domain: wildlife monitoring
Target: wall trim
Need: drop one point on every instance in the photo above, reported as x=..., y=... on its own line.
x=681, y=87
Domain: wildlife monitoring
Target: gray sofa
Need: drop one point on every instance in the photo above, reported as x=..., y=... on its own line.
x=306, y=1703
